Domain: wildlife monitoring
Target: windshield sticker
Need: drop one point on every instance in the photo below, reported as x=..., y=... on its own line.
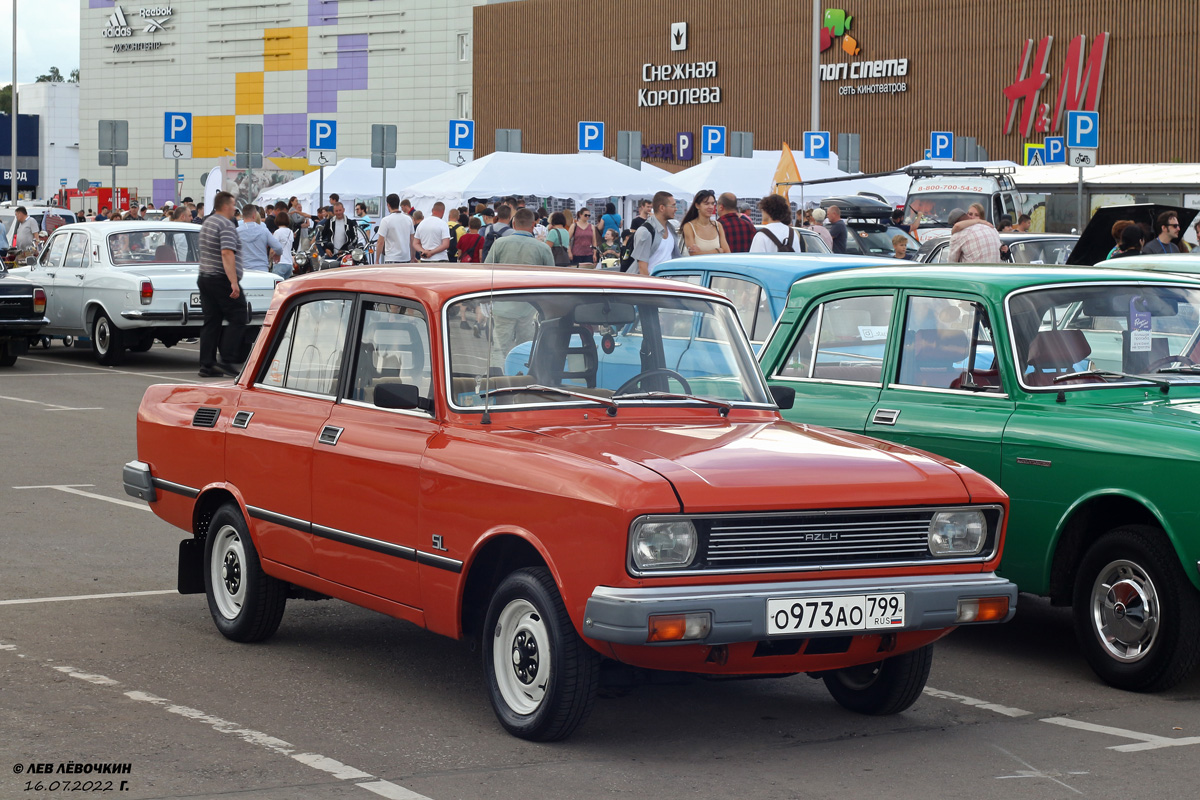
x=1139, y=326
x=872, y=333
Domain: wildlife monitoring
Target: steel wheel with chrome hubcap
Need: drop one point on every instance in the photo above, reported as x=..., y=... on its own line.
x=542, y=677
x=108, y=341
x=246, y=604
x=1136, y=614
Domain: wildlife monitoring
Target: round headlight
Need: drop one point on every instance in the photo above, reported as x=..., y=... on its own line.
x=301, y=259
x=358, y=255
x=957, y=533
x=664, y=544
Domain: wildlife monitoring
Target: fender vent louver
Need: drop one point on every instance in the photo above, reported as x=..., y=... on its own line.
x=329, y=435
x=242, y=418
x=206, y=417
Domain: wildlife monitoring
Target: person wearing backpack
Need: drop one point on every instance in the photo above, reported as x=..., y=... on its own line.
x=470, y=246
x=501, y=227
x=776, y=235
x=456, y=231
x=559, y=240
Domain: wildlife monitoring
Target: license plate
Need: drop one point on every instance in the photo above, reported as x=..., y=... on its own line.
x=195, y=299
x=860, y=612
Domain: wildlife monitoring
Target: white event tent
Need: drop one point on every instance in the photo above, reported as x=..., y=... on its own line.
x=577, y=177
x=353, y=179
x=751, y=178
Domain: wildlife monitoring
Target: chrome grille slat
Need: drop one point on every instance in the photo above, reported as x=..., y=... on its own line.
x=822, y=524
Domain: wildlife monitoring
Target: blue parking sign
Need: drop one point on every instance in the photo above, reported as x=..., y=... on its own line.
x=177, y=127
x=712, y=140
x=322, y=134
x=1056, y=150
x=591, y=137
x=1083, y=130
x=462, y=134
x=941, y=145
x=816, y=145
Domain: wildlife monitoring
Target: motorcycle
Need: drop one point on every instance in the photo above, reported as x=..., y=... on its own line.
x=313, y=261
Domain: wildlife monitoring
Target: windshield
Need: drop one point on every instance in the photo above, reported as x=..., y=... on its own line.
x=1118, y=328
x=154, y=247
x=933, y=208
x=877, y=241
x=604, y=345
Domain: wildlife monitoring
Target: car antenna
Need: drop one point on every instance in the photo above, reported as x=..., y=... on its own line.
x=486, y=419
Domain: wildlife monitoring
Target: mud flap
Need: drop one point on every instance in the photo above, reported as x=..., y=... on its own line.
x=191, y=566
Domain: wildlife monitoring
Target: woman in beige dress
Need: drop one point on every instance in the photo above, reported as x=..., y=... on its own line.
x=701, y=233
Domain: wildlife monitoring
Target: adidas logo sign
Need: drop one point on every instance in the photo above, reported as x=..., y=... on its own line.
x=116, y=27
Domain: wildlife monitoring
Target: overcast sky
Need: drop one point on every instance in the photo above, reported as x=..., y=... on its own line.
x=47, y=36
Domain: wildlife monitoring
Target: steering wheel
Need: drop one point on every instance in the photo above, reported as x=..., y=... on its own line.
x=636, y=380
x=1162, y=362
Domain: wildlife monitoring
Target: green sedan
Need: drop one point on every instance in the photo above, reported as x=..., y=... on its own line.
x=1076, y=390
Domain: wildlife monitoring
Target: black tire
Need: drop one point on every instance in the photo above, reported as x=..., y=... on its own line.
x=142, y=344
x=526, y=617
x=108, y=341
x=884, y=687
x=1136, y=614
x=246, y=603
x=8, y=354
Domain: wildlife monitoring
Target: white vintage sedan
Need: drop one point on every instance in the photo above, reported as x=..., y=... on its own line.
x=122, y=285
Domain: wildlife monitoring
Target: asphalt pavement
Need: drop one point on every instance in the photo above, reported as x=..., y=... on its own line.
x=109, y=676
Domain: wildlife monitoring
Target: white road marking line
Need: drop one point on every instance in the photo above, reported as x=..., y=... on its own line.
x=1033, y=772
x=71, y=489
x=99, y=680
x=328, y=765
x=28, y=600
x=1147, y=741
x=49, y=406
x=110, y=370
x=8, y=647
x=971, y=701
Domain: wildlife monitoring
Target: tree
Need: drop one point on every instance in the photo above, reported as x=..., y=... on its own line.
x=53, y=76
x=74, y=76
x=6, y=100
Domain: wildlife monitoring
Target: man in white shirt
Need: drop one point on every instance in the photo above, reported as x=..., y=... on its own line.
x=432, y=239
x=776, y=235
x=394, y=243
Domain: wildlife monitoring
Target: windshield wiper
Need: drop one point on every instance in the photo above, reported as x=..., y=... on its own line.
x=725, y=408
x=604, y=401
x=1181, y=368
x=1164, y=385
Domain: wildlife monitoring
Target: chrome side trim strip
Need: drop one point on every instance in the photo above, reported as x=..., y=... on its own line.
x=176, y=488
x=365, y=542
x=440, y=562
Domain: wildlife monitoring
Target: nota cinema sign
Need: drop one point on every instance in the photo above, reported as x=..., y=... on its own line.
x=1078, y=88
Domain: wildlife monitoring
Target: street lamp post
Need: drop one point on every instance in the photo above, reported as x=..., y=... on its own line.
x=815, y=122
x=13, y=112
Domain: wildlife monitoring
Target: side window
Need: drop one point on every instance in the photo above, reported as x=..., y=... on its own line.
x=308, y=354
x=998, y=209
x=394, y=348
x=940, y=255
x=750, y=301
x=695, y=280
x=77, y=252
x=844, y=340
x=948, y=345
x=52, y=257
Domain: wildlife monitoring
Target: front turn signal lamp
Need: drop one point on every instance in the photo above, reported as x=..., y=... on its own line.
x=982, y=609
x=679, y=627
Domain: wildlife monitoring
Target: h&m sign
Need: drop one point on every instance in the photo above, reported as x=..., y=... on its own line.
x=1079, y=86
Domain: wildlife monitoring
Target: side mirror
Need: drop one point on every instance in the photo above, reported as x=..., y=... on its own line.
x=397, y=395
x=30, y=261
x=784, y=396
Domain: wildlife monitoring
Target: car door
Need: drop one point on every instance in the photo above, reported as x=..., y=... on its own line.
x=70, y=281
x=269, y=448
x=947, y=395
x=47, y=274
x=835, y=359
x=367, y=462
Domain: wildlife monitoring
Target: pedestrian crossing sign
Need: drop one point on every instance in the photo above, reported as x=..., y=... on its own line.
x=1035, y=155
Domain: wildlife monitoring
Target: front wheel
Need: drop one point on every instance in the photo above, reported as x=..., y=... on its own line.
x=541, y=677
x=884, y=687
x=108, y=341
x=246, y=603
x=1136, y=614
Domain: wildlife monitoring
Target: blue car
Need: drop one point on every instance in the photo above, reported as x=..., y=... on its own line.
x=758, y=283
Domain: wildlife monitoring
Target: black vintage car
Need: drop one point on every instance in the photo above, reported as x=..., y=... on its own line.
x=22, y=315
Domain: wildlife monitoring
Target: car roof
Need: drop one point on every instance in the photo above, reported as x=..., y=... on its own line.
x=990, y=280
x=32, y=208
x=769, y=268
x=438, y=284
x=1181, y=263
x=119, y=226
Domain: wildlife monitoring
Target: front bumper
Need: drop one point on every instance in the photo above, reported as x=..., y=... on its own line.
x=739, y=611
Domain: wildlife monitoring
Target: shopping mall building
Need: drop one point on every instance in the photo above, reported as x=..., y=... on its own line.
x=1004, y=73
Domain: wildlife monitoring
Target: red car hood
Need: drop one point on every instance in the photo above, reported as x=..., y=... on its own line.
x=771, y=465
